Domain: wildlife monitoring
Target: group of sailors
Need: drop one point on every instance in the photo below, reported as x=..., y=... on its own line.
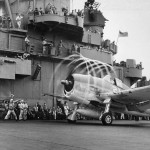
x=51, y=9
x=48, y=45
x=122, y=116
x=20, y=110
x=6, y=22
x=76, y=13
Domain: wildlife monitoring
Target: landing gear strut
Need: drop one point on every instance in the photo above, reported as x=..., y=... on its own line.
x=107, y=116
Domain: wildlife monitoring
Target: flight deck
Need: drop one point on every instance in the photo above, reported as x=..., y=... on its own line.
x=84, y=135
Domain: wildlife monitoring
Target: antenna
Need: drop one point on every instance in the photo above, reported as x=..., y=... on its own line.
x=72, y=4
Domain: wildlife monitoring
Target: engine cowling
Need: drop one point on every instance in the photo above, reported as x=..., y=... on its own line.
x=81, y=88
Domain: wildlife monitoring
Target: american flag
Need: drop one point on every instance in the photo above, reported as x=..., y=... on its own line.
x=123, y=34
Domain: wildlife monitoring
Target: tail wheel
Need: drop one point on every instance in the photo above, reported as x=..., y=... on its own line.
x=107, y=119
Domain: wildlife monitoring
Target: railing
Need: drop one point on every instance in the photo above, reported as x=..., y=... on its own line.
x=71, y=20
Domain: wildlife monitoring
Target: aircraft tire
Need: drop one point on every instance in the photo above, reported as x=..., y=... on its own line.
x=107, y=119
x=71, y=121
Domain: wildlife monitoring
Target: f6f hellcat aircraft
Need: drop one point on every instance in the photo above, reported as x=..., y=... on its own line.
x=102, y=96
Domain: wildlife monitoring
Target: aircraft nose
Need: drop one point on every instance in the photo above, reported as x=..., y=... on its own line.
x=68, y=85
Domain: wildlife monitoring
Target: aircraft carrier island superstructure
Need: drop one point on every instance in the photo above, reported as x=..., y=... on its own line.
x=28, y=71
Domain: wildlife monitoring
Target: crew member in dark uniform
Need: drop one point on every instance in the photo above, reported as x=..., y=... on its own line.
x=27, y=44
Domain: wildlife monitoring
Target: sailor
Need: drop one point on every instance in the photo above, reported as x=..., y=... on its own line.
x=41, y=12
x=17, y=109
x=18, y=19
x=50, y=8
x=66, y=108
x=35, y=108
x=75, y=13
x=21, y=106
x=50, y=46
x=54, y=113
x=36, y=12
x=122, y=116
x=60, y=45
x=6, y=105
x=45, y=111
x=59, y=112
x=25, y=111
x=44, y=43
x=4, y=20
x=27, y=44
x=74, y=48
x=9, y=24
x=65, y=11
x=30, y=11
x=11, y=107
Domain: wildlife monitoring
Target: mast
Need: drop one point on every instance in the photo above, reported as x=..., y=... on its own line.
x=9, y=12
x=72, y=4
x=44, y=5
x=18, y=5
x=34, y=4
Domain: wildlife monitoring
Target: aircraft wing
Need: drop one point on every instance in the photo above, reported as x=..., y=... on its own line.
x=135, y=95
x=56, y=96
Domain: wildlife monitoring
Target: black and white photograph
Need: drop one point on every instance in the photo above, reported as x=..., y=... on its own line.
x=74, y=75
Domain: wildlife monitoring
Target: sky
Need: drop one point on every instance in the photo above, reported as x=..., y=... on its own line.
x=132, y=16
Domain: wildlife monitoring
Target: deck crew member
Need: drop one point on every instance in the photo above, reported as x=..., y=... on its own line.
x=21, y=106
x=11, y=107
x=25, y=111
x=66, y=108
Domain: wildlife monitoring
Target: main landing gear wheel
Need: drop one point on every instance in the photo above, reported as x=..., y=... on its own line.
x=107, y=119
